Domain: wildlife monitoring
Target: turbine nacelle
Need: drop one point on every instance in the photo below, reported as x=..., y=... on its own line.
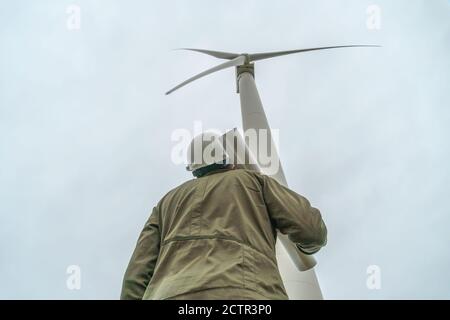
x=239, y=59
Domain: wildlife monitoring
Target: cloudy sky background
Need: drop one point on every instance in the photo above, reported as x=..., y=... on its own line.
x=85, y=132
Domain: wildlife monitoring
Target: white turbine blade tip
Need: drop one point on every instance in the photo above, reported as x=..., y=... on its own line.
x=267, y=55
x=216, y=54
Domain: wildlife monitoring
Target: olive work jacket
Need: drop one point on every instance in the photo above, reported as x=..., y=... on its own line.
x=216, y=234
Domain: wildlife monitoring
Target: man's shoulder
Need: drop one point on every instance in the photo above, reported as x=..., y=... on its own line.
x=246, y=178
x=250, y=173
x=189, y=185
x=236, y=173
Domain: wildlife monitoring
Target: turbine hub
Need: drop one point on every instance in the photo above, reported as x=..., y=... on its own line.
x=247, y=67
x=247, y=57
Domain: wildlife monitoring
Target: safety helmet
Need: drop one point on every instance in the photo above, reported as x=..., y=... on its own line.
x=204, y=150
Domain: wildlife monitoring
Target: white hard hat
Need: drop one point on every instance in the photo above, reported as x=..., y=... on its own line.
x=205, y=149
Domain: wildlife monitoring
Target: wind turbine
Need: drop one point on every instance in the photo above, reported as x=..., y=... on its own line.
x=299, y=285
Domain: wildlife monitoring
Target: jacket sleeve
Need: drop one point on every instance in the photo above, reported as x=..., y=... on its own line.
x=293, y=215
x=142, y=264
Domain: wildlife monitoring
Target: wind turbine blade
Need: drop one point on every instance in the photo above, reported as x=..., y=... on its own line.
x=235, y=62
x=267, y=55
x=217, y=54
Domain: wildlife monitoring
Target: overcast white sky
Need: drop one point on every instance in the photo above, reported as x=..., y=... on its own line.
x=85, y=132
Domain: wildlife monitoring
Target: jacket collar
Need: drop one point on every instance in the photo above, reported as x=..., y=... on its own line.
x=216, y=171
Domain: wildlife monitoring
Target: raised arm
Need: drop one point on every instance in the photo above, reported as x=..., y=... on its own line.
x=294, y=216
